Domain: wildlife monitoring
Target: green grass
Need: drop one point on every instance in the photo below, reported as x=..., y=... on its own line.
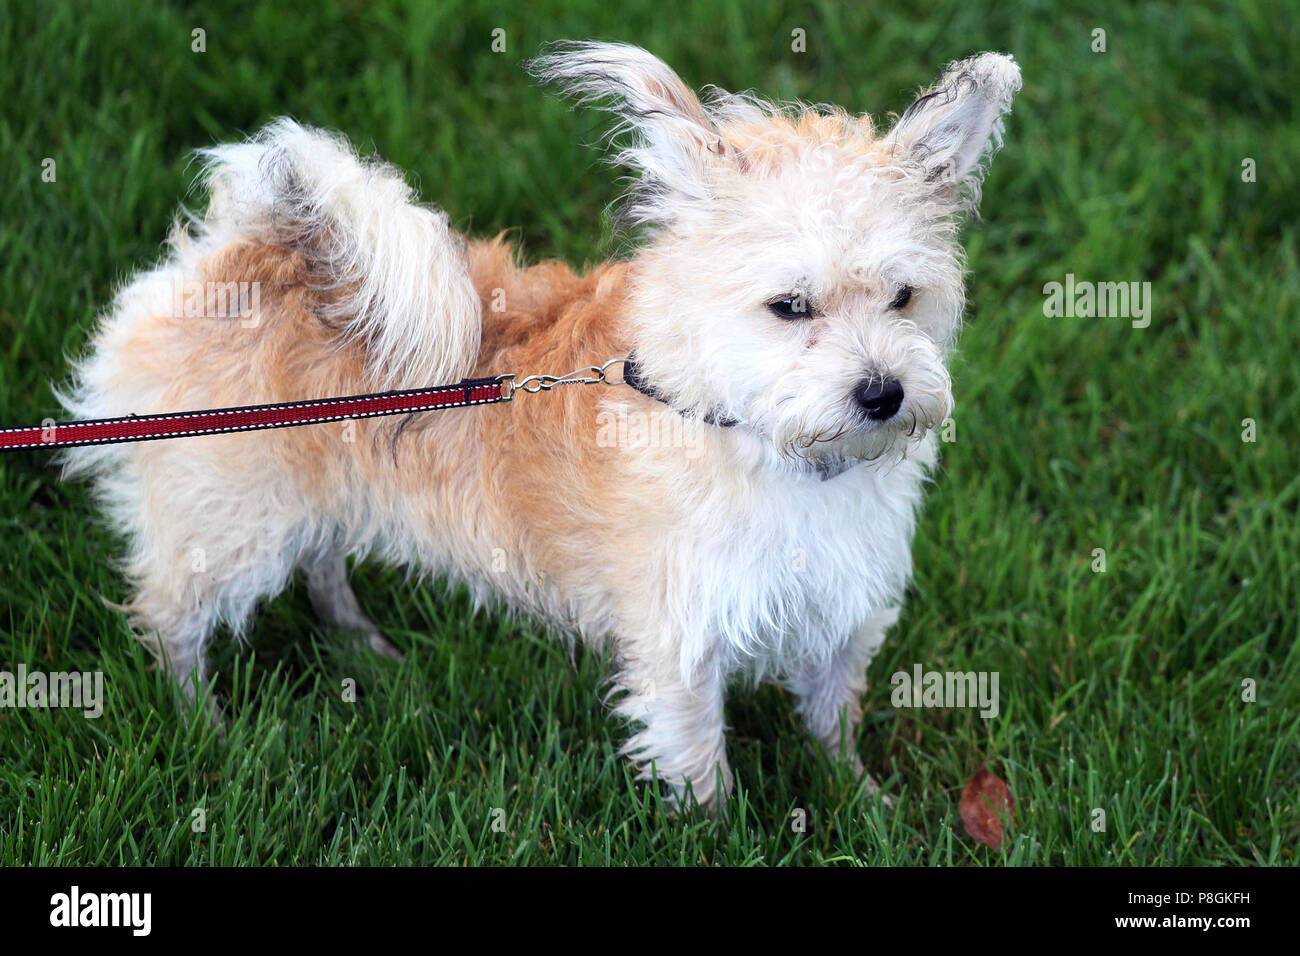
x=1120, y=691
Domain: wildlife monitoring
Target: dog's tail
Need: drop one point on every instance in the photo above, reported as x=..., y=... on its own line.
x=395, y=273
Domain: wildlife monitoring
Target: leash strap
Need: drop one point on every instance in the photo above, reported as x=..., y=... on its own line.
x=108, y=431
x=248, y=418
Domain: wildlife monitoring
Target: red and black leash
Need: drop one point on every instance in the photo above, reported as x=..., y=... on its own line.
x=247, y=418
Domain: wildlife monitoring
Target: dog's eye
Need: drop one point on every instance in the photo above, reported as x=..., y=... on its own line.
x=791, y=307
x=904, y=296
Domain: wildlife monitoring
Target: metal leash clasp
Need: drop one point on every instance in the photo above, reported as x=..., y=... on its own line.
x=591, y=375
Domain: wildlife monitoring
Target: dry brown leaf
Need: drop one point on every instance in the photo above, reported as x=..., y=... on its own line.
x=985, y=797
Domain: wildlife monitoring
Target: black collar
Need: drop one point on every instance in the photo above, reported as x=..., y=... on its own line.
x=632, y=376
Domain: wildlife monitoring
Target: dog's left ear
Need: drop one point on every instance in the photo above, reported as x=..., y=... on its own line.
x=955, y=127
x=665, y=133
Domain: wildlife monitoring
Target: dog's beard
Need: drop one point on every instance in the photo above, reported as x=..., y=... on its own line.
x=832, y=443
x=815, y=425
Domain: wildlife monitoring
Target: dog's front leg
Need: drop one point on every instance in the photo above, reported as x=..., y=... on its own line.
x=682, y=730
x=830, y=697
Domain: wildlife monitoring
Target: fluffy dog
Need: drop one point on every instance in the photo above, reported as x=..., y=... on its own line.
x=790, y=306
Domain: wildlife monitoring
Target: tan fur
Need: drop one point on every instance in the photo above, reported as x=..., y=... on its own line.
x=512, y=472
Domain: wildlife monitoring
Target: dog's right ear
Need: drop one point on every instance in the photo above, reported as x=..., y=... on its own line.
x=955, y=127
x=664, y=132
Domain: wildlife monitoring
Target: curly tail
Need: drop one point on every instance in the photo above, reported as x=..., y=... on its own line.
x=406, y=290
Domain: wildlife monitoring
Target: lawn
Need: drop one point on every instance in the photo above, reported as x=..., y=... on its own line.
x=1127, y=690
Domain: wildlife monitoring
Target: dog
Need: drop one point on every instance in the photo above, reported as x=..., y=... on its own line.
x=791, y=302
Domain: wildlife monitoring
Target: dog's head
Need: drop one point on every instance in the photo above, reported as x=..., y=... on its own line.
x=802, y=272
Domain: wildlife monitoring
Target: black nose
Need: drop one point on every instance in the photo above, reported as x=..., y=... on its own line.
x=881, y=397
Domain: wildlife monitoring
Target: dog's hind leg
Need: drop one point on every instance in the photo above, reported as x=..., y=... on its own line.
x=214, y=528
x=176, y=606
x=180, y=645
x=336, y=605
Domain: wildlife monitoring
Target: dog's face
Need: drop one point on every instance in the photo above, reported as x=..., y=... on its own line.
x=803, y=273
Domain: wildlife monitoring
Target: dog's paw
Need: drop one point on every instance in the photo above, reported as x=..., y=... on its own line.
x=874, y=790
x=685, y=800
x=381, y=646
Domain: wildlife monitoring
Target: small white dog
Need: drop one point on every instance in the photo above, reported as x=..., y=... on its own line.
x=791, y=306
